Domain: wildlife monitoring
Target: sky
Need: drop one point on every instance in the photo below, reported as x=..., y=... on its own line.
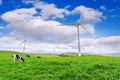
x=39, y=22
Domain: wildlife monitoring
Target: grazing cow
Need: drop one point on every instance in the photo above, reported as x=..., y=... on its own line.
x=18, y=57
x=28, y=56
x=38, y=57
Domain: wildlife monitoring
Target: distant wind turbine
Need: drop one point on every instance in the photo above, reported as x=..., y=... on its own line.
x=24, y=45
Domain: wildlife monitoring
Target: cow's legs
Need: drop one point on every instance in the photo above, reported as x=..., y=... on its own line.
x=14, y=59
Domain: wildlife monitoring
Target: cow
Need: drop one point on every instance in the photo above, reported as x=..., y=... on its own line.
x=28, y=56
x=17, y=57
x=38, y=57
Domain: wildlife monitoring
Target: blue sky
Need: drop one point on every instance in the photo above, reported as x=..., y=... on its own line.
x=37, y=20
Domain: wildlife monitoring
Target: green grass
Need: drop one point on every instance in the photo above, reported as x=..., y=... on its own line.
x=59, y=68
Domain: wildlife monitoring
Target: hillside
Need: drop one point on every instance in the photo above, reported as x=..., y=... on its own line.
x=59, y=68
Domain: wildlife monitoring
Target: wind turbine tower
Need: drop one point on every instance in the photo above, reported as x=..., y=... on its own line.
x=77, y=25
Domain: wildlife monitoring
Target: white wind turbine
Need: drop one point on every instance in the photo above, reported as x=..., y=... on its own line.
x=77, y=25
x=24, y=44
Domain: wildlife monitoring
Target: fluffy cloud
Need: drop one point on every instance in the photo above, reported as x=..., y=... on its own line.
x=50, y=10
x=105, y=41
x=89, y=15
x=19, y=15
x=100, y=45
x=8, y=43
x=38, y=29
x=110, y=40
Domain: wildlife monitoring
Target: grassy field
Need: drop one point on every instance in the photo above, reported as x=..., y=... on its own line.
x=53, y=67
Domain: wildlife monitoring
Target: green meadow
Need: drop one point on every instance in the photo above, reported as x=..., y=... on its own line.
x=54, y=67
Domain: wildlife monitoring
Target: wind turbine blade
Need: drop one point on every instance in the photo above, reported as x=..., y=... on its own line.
x=22, y=42
x=67, y=25
x=81, y=14
x=85, y=29
x=73, y=24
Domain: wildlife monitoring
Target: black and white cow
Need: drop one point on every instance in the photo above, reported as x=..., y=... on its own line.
x=17, y=57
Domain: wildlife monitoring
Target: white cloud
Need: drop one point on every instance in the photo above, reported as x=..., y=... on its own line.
x=38, y=29
x=89, y=15
x=50, y=10
x=110, y=40
x=8, y=43
x=25, y=11
x=34, y=26
x=46, y=10
x=19, y=15
x=43, y=30
x=97, y=45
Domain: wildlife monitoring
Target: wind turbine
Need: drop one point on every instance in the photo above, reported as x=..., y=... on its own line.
x=77, y=25
x=24, y=44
